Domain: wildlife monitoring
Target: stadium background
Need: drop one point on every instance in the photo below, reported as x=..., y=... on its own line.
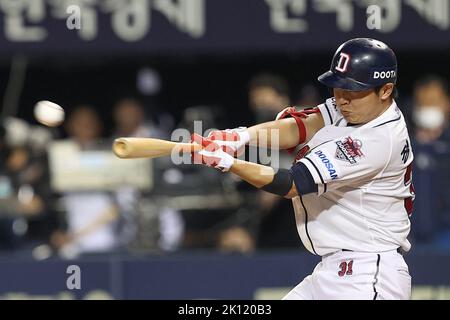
x=193, y=60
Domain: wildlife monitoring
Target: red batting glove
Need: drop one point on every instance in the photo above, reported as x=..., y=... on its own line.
x=232, y=141
x=212, y=155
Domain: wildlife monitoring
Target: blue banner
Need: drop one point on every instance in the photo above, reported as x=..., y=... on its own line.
x=217, y=26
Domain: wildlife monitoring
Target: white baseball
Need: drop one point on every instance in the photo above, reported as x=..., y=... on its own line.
x=48, y=113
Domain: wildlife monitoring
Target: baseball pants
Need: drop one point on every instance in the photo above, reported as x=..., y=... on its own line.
x=356, y=276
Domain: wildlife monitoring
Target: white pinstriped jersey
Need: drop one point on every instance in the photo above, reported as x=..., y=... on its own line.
x=364, y=185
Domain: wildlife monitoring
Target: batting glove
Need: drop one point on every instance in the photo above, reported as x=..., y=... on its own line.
x=212, y=155
x=232, y=141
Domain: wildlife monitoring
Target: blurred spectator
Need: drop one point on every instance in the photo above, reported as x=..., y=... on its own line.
x=131, y=121
x=165, y=230
x=431, y=144
x=25, y=213
x=201, y=118
x=269, y=94
x=308, y=96
x=90, y=214
x=84, y=127
x=236, y=239
x=431, y=110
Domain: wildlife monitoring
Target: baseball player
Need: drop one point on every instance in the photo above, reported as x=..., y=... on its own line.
x=351, y=183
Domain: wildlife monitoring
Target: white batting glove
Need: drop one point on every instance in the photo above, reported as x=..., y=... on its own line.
x=212, y=155
x=232, y=141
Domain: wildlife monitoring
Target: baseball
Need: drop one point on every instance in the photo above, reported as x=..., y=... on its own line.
x=48, y=113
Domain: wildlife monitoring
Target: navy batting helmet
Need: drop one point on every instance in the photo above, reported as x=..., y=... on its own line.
x=361, y=64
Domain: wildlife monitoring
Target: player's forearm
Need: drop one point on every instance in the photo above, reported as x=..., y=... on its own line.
x=263, y=177
x=253, y=173
x=280, y=134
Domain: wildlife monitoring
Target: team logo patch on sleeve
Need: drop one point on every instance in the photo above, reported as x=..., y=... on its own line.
x=349, y=150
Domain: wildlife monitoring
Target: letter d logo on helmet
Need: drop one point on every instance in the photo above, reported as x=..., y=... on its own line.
x=343, y=61
x=361, y=64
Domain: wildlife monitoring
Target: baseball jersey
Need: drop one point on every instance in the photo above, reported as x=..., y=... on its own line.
x=364, y=190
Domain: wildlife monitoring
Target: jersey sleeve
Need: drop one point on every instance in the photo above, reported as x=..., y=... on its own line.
x=340, y=162
x=329, y=111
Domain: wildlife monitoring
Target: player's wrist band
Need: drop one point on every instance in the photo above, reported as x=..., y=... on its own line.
x=298, y=116
x=244, y=135
x=281, y=183
x=301, y=129
x=226, y=162
x=304, y=181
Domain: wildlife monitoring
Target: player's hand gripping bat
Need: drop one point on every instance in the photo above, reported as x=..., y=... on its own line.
x=128, y=148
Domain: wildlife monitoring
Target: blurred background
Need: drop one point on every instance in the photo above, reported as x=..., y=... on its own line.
x=150, y=229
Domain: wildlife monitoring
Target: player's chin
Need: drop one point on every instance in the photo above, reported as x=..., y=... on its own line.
x=346, y=116
x=350, y=118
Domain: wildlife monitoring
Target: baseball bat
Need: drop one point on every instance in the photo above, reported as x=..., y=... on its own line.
x=128, y=148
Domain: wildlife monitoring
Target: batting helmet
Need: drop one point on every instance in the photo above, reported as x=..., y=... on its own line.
x=361, y=64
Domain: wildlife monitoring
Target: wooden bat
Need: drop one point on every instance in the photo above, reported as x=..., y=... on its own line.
x=128, y=148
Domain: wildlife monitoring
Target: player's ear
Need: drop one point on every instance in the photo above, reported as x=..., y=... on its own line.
x=386, y=91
